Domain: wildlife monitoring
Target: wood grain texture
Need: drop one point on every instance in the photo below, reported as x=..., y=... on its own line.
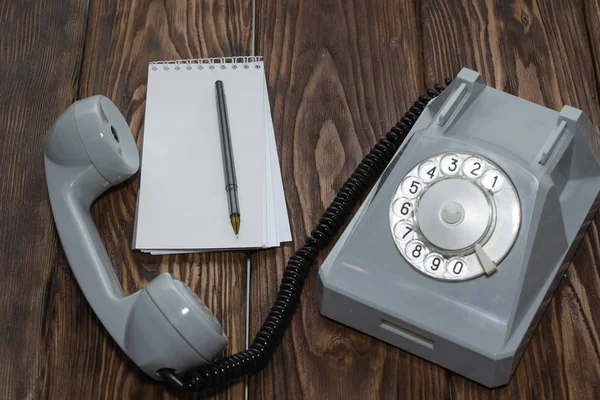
x=122, y=38
x=539, y=51
x=592, y=24
x=534, y=49
x=340, y=73
x=40, y=49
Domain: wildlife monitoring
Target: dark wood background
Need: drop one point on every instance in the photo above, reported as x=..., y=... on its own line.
x=339, y=73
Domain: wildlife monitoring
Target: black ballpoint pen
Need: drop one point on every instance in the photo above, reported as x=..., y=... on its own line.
x=228, y=163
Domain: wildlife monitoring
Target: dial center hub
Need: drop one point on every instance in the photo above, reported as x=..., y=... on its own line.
x=453, y=214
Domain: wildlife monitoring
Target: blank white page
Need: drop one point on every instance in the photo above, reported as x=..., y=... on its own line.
x=182, y=202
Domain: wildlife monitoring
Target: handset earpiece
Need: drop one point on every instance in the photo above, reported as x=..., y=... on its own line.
x=87, y=150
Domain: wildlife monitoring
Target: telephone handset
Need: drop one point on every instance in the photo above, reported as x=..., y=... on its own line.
x=456, y=251
x=87, y=150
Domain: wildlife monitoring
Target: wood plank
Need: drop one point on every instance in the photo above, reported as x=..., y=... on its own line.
x=340, y=74
x=592, y=24
x=122, y=37
x=539, y=51
x=40, y=49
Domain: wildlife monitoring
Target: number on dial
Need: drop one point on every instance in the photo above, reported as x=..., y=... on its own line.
x=411, y=186
x=404, y=231
x=450, y=164
x=457, y=266
x=434, y=263
x=415, y=250
x=492, y=180
x=403, y=207
x=428, y=171
x=473, y=167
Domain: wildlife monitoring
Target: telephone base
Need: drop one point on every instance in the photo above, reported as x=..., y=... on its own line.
x=475, y=324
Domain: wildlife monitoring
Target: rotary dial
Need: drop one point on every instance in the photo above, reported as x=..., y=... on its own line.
x=455, y=216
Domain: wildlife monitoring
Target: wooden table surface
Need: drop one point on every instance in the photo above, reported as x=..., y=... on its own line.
x=339, y=73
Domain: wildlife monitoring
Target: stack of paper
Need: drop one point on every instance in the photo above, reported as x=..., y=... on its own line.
x=182, y=204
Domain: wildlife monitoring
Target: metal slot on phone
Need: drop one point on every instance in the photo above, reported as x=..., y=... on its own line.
x=405, y=333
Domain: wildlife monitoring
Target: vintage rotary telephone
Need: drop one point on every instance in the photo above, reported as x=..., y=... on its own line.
x=456, y=251
x=171, y=335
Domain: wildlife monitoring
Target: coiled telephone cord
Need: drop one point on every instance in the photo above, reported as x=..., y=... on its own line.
x=269, y=337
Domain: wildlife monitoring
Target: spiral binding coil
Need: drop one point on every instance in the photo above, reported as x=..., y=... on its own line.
x=271, y=333
x=211, y=63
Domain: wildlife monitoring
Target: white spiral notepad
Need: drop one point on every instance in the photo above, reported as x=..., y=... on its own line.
x=182, y=204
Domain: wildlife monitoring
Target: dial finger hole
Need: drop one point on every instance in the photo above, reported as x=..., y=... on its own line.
x=415, y=251
x=403, y=231
x=412, y=186
x=450, y=164
x=428, y=171
x=457, y=267
x=492, y=180
x=403, y=207
x=435, y=263
x=473, y=167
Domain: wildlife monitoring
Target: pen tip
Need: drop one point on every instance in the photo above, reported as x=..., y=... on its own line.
x=235, y=223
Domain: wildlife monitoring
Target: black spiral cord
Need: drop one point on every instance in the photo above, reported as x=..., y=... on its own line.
x=271, y=333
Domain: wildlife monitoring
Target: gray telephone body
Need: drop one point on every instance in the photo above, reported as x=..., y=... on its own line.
x=456, y=251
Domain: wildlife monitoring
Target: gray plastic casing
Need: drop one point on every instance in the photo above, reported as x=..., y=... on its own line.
x=478, y=328
x=164, y=325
